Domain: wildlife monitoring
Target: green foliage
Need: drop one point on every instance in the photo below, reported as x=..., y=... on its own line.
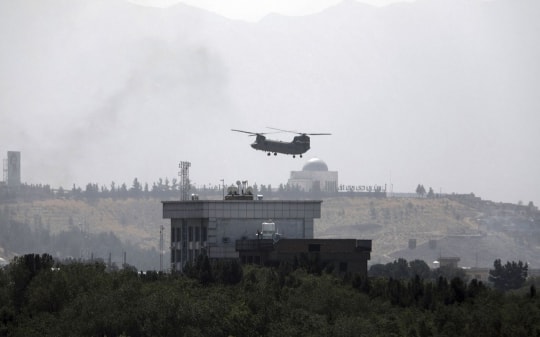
x=79, y=299
x=217, y=271
x=510, y=276
x=22, y=270
x=420, y=190
x=401, y=269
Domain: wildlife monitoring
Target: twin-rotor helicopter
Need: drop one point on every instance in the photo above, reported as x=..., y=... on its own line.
x=298, y=146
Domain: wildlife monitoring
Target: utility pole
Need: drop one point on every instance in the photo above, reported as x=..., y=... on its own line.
x=161, y=248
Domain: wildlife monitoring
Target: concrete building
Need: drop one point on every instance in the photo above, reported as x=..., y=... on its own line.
x=344, y=255
x=314, y=177
x=212, y=227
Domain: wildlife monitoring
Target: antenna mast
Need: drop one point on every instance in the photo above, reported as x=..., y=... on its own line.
x=184, y=179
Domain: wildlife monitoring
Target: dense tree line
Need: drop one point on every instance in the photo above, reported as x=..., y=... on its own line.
x=164, y=189
x=401, y=269
x=510, y=276
x=39, y=297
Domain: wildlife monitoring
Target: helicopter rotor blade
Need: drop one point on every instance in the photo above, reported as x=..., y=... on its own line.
x=254, y=133
x=248, y=132
x=289, y=131
x=302, y=133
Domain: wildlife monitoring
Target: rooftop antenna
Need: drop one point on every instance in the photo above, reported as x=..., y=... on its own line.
x=223, y=187
x=184, y=180
x=239, y=184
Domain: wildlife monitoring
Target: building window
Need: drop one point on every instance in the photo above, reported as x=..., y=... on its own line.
x=190, y=233
x=197, y=234
x=343, y=267
x=314, y=248
x=204, y=234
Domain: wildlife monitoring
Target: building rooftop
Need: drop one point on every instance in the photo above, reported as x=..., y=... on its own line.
x=315, y=164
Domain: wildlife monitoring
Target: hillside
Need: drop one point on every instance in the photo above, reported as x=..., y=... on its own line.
x=475, y=230
x=390, y=223
x=133, y=220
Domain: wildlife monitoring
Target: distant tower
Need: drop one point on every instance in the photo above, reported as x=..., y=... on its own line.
x=14, y=169
x=184, y=179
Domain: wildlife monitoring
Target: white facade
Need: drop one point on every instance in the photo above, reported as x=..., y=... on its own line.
x=314, y=177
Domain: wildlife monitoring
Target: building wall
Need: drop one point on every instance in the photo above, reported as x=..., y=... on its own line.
x=212, y=226
x=308, y=181
x=346, y=255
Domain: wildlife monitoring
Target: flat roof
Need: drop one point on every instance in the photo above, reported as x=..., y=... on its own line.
x=263, y=209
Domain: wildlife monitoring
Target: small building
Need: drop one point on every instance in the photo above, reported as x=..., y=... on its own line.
x=344, y=255
x=449, y=261
x=480, y=274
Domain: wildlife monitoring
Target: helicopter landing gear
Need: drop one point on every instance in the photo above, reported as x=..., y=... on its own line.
x=293, y=156
x=300, y=156
x=268, y=153
x=275, y=153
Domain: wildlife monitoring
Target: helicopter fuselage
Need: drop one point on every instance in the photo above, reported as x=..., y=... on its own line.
x=298, y=146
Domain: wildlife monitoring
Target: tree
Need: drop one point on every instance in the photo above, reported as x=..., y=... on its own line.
x=60, y=192
x=91, y=191
x=510, y=276
x=420, y=190
x=531, y=208
x=22, y=270
x=430, y=193
x=201, y=270
x=136, y=188
x=399, y=269
x=419, y=268
x=123, y=191
x=146, y=190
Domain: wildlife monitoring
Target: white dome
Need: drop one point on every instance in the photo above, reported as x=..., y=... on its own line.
x=315, y=164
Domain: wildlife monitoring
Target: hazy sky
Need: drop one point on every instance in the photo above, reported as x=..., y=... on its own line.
x=442, y=93
x=254, y=10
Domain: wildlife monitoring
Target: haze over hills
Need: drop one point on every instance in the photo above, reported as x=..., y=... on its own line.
x=85, y=226
x=443, y=93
